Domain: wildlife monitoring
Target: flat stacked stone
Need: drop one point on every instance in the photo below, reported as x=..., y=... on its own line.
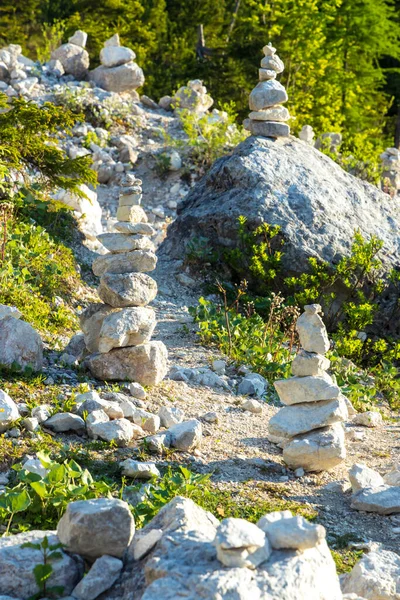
x=268, y=116
x=309, y=424
x=118, y=332
x=118, y=72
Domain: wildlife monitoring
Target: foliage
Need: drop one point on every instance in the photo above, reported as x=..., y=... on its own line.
x=39, y=276
x=40, y=501
x=181, y=482
x=53, y=34
x=43, y=572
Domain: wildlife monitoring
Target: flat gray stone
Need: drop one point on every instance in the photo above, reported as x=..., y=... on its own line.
x=272, y=129
x=128, y=289
x=384, y=500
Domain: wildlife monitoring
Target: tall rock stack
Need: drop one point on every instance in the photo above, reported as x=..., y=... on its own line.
x=118, y=332
x=310, y=423
x=118, y=72
x=268, y=116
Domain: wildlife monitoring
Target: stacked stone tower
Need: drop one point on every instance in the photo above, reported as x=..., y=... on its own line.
x=310, y=423
x=268, y=117
x=118, y=332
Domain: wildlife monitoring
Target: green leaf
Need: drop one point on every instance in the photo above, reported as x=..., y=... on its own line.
x=42, y=573
x=40, y=488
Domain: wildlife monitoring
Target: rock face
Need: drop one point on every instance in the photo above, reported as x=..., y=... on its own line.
x=268, y=117
x=118, y=72
x=93, y=528
x=284, y=182
x=310, y=423
x=20, y=344
x=17, y=578
x=118, y=332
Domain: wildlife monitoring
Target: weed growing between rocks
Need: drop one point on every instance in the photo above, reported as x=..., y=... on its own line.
x=258, y=330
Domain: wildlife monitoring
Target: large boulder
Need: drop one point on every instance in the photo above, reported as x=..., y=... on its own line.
x=20, y=344
x=118, y=79
x=73, y=58
x=288, y=183
x=96, y=527
x=375, y=577
x=87, y=209
x=17, y=577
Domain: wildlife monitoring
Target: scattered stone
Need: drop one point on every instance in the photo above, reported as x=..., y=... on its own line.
x=219, y=366
x=120, y=431
x=393, y=477
x=33, y=465
x=96, y=527
x=384, y=500
x=79, y=38
x=31, y=424
x=20, y=344
x=139, y=470
x=170, y=415
x=192, y=97
x=252, y=384
x=252, y=406
x=362, y=476
x=186, y=436
x=102, y=575
x=368, y=419
x=74, y=59
x=137, y=391
x=62, y=422
x=118, y=79
x=211, y=417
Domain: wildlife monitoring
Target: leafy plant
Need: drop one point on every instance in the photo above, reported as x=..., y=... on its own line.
x=44, y=571
x=40, y=500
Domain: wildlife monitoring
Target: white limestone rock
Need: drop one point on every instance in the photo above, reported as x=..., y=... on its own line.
x=384, y=500
x=319, y=450
x=186, y=436
x=309, y=363
x=294, y=533
x=375, y=577
x=368, y=419
x=273, y=63
x=127, y=289
x=300, y=418
x=307, y=134
x=267, y=94
x=134, y=228
x=170, y=415
x=113, y=56
x=87, y=210
x=79, y=38
x=17, y=565
x=362, y=477
x=139, y=470
x=146, y=364
x=393, y=476
x=101, y=576
x=137, y=391
x=265, y=74
x=93, y=528
x=144, y=541
x=120, y=242
x=275, y=113
x=20, y=344
x=120, y=431
x=8, y=411
x=252, y=406
x=297, y=390
x=312, y=331
x=74, y=59
x=123, y=78
x=272, y=129
x=131, y=214
x=264, y=521
x=137, y=261
x=241, y=544
x=62, y=422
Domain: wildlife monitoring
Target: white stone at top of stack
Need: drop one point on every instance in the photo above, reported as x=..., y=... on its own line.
x=310, y=423
x=118, y=71
x=268, y=116
x=118, y=332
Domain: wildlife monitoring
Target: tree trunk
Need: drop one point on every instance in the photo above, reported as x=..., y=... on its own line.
x=233, y=21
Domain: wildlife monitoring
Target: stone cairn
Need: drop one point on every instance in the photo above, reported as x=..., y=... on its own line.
x=118, y=332
x=309, y=426
x=268, y=116
x=118, y=72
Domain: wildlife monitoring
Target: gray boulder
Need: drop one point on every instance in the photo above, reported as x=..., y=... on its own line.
x=103, y=574
x=20, y=344
x=127, y=289
x=96, y=527
x=16, y=565
x=73, y=58
x=375, y=577
x=118, y=79
x=285, y=182
x=62, y=422
x=384, y=500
